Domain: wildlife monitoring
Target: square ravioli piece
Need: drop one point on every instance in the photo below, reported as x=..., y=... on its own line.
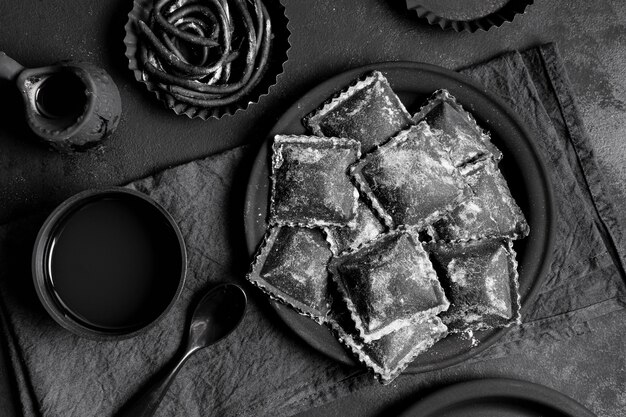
x=388, y=356
x=368, y=111
x=489, y=211
x=310, y=185
x=388, y=284
x=290, y=266
x=460, y=134
x=410, y=180
x=481, y=282
x=366, y=229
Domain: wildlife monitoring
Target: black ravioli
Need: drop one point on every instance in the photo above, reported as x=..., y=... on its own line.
x=310, y=186
x=388, y=356
x=368, y=111
x=481, y=281
x=387, y=284
x=291, y=266
x=489, y=211
x=410, y=180
x=460, y=134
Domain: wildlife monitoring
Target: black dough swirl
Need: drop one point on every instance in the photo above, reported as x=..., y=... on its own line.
x=206, y=53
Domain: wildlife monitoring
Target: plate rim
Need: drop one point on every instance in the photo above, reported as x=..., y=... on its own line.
x=433, y=404
x=261, y=160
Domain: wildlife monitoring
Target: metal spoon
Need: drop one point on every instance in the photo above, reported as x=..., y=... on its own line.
x=218, y=313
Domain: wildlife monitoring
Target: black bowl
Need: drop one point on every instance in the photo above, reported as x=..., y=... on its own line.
x=108, y=263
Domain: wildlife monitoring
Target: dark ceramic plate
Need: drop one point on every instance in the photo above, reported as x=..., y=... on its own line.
x=497, y=398
x=521, y=166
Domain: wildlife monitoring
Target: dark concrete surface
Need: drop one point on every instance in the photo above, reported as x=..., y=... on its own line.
x=328, y=36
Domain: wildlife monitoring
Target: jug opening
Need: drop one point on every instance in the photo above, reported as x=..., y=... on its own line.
x=61, y=96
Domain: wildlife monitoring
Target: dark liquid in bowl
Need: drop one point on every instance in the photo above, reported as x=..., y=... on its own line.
x=115, y=263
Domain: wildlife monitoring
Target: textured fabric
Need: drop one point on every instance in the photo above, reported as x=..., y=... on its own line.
x=72, y=376
x=585, y=279
x=263, y=369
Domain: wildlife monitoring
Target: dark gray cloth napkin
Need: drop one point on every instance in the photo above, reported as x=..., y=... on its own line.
x=263, y=369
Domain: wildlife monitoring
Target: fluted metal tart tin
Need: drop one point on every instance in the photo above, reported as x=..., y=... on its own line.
x=279, y=45
x=468, y=15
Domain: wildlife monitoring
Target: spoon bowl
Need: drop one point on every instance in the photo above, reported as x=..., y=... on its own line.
x=217, y=314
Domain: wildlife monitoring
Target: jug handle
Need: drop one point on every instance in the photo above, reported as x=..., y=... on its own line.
x=9, y=68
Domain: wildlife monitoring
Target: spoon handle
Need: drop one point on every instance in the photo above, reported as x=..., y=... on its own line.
x=146, y=404
x=9, y=68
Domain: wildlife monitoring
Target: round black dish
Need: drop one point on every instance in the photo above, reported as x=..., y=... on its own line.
x=108, y=263
x=521, y=166
x=501, y=397
x=468, y=15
